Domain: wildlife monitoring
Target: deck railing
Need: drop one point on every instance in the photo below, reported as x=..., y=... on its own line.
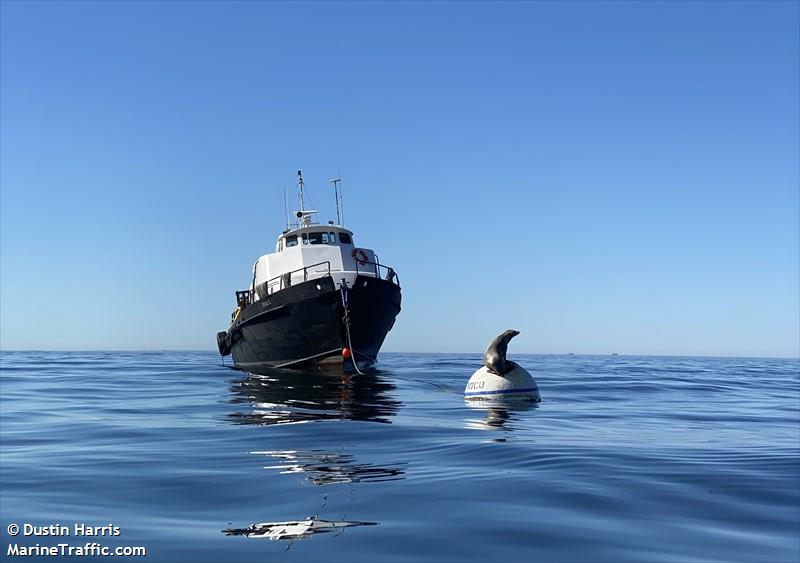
x=377, y=269
x=284, y=280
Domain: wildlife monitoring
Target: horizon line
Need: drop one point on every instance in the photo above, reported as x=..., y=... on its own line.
x=210, y=350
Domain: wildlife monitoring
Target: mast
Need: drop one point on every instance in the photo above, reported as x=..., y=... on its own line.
x=303, y=216
x=335, y=182
x=300, y=186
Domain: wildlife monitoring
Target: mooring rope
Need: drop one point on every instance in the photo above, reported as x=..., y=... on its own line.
x=347, y=329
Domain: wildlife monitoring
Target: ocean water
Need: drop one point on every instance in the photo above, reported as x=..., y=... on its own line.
x=625, y=459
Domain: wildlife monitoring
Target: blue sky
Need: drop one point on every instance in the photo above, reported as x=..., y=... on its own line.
x=605, y=177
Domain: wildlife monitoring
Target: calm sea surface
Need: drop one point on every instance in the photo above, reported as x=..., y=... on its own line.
x=625, y=459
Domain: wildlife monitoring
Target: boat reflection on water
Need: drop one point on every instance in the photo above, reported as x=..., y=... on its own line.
x=275, y=397
x=331, y=468
x=286, y=397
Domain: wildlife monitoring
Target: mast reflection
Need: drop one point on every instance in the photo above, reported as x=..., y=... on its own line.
x=298, y=530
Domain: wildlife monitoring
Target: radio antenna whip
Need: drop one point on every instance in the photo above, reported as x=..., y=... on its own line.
x=335, y=182
x=285, y=208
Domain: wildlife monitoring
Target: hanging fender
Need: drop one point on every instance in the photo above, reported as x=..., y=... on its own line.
x=223, y=344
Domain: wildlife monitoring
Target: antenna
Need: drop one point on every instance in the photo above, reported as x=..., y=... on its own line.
x=300, y=187
x=285, y=208
x=336, y=181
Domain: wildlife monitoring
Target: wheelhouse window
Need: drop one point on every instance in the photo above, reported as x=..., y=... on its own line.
x=291, y=241
x=320, y=237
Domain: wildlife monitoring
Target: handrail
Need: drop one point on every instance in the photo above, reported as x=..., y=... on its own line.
x=391, y=275
x=376, y=270
x=280, y=277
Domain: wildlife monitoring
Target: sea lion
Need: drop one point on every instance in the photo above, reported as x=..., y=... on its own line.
x=495, y=356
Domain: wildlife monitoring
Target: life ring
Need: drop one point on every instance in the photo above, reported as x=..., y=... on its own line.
x=359, y=256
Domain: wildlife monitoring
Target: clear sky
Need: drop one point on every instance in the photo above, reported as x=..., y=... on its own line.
x=605, y=177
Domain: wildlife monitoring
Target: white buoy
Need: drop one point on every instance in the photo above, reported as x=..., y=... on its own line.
x=500, y=379
x=517, y=384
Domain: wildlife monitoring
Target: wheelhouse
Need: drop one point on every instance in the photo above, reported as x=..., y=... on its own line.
x=310, y=250
x=330, y=235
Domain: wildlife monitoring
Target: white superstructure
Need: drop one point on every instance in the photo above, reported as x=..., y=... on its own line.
x=312, y=250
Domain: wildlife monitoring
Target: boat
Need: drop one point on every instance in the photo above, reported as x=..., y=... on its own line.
x=317, y=301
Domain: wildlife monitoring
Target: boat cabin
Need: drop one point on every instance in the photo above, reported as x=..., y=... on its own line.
x=312, y=251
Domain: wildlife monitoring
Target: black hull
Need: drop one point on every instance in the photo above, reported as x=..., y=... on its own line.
x=304, y=324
